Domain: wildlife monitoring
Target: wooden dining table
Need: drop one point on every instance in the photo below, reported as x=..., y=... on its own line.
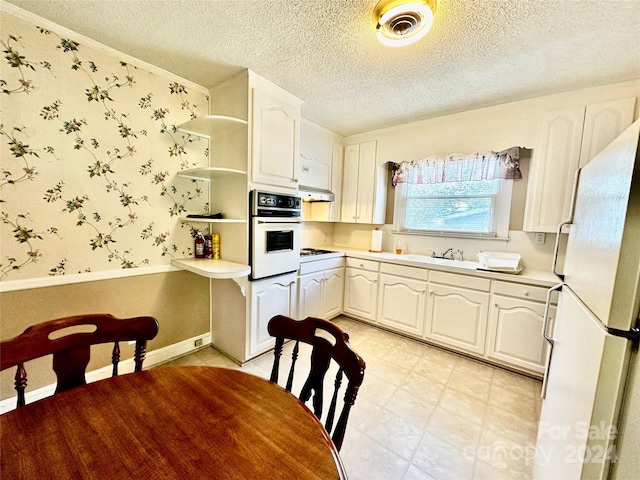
x=168, y=423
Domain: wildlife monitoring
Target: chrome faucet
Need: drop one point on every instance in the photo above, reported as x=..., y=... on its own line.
x=448, y=251
x=460, y=255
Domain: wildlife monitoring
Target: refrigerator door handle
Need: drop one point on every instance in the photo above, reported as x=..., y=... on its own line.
x=566, y=221
x=549, y=339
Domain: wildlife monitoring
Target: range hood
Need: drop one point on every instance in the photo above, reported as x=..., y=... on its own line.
x=310, y=194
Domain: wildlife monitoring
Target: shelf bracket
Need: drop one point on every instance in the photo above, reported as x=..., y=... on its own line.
x=242, y=283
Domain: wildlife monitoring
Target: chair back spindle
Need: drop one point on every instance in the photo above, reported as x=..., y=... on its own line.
x=294, y=359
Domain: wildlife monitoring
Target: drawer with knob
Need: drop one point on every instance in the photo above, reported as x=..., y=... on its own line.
x=369, y=265
x=527, y=292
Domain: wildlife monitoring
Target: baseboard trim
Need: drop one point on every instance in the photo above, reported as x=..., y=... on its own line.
x=153, y=359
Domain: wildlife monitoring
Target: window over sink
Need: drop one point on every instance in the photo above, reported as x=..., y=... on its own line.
x=458, y=195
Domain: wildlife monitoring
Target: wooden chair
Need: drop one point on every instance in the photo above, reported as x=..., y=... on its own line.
x=69, y=340
x=329, y=342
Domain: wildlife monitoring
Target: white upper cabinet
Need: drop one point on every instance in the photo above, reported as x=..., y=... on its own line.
x=570, y=138
x=270, y=146
x=552, y=170
x=350, y=183
x=321, y=169
x=335, y=209
x=363, y=192
x=275, y=140
x=316, y=156
x=603, y=122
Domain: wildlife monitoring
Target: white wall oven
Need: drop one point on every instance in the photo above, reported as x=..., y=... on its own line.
x=274, y=234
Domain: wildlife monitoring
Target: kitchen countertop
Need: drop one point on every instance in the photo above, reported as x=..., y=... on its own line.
x=527, y=275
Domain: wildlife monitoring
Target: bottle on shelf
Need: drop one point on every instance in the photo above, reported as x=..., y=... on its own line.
x=215, y=246
x=208, y=246
x=199, y=245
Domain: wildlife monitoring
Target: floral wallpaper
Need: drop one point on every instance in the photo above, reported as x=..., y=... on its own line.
x=89, y=157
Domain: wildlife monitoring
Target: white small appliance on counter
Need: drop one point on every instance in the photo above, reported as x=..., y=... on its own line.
x=504, y=262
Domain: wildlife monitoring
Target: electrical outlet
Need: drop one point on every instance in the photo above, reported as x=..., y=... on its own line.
x=540, y=237
x=197, y=343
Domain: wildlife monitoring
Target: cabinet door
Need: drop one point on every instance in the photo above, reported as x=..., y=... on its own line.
x=553, y=168
x=332, y=292
x=603, y=122
x=358, y=188
x=361, y=293
x=350, y=183
x=275, y=136
x=310, y=295
x=337, y=158
x=269, y=298
x=366, y=182
x=401, y=303
x=515, y=333
x=316, y=150
x=457, y=317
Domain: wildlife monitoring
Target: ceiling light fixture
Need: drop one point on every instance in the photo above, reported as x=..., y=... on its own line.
x=403, y=22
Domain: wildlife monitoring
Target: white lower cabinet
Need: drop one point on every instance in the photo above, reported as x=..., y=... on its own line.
x=494, y=320
x=320, y=294
x=515, y=327
x=402, y=298
x=269, y=297
x=332, y=292
x=310, y=295
x=457, y=311
x=361, y=288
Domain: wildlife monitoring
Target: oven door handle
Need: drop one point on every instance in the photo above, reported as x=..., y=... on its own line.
x=279, y=222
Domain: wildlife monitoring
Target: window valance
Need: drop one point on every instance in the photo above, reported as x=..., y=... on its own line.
x=460, y=168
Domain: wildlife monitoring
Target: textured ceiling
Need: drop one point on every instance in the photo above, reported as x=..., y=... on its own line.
x=478, y=53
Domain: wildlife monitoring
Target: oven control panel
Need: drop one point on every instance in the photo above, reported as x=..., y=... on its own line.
x=275, y=204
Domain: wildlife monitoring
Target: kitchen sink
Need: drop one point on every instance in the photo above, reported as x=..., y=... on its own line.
x=427, y=260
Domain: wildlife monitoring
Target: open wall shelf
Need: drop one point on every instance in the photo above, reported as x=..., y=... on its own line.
x=209, y=173
x=209, y=125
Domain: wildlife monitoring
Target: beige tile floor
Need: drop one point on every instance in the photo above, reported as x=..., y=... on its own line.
x=425, y=413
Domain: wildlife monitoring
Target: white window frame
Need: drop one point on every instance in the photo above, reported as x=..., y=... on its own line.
x=501, y=215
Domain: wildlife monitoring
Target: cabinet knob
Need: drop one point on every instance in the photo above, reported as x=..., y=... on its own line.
x=525, y=293
x=430, y=292
x=496, y=305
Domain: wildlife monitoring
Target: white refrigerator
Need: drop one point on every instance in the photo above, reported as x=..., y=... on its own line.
x=590, y=418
